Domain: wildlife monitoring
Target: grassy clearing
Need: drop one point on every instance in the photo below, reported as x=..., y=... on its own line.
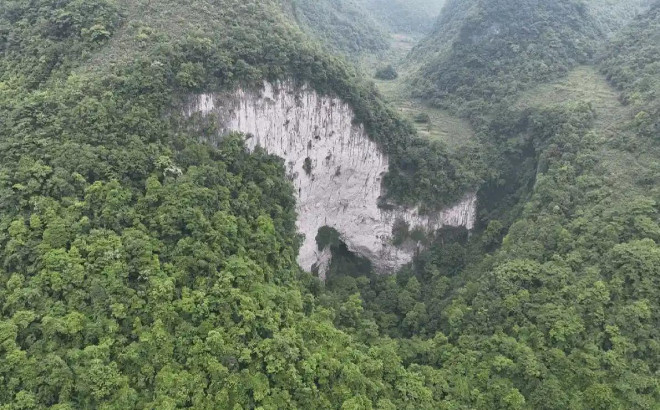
x=441, y=126
x=583, y=83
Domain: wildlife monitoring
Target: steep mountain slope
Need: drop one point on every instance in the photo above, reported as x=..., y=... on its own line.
x=486, y=50
x=483, y=54
x=408, y=23
x=612, y=15
x=335, y=168
x=147, y=263
x=358, y=27
x=401, y=16
x=632, y=63
x=141, y=267
x=561, y=308
x=342, y=24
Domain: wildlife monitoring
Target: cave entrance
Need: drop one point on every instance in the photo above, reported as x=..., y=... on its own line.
x=343, y=262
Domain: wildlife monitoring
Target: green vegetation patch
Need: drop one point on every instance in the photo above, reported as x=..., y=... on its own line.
x=482, y=51
x=140, y=268
x=405, y=16
x=633, y=64
x=583, y=83
x=342, y=24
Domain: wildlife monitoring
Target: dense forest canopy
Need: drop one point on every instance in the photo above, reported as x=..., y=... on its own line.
x=490, y=49
x=141, y=268
x=343, y=24
x=554, y=303
x=358, y=27
x=612, y=15
x=632, y=63
x=481, y=51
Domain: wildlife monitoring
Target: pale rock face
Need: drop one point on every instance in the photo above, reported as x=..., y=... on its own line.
x=323, y=261
x=342, y=188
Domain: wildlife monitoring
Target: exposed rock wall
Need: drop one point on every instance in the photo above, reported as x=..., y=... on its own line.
x=335, y=168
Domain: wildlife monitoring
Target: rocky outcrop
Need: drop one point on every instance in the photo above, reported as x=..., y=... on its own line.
x=335, y=168
x=323, y=261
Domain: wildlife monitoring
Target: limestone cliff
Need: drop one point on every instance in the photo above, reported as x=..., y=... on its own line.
x=335, y=168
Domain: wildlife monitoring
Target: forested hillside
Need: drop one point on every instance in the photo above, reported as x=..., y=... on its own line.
x=487, y=50
x=358, y=27
x=405, y=16
x=483, y=51
x=612, y=15
x=560, y=312
x=554, y=304
x=140, y=268
x=143, y=268
x=343, y=24
x=632, y=63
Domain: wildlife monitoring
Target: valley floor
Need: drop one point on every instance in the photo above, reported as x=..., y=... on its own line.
x=439, y=125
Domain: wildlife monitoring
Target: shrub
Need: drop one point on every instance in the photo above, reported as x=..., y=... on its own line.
x=387, y=73
x=422, y=118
